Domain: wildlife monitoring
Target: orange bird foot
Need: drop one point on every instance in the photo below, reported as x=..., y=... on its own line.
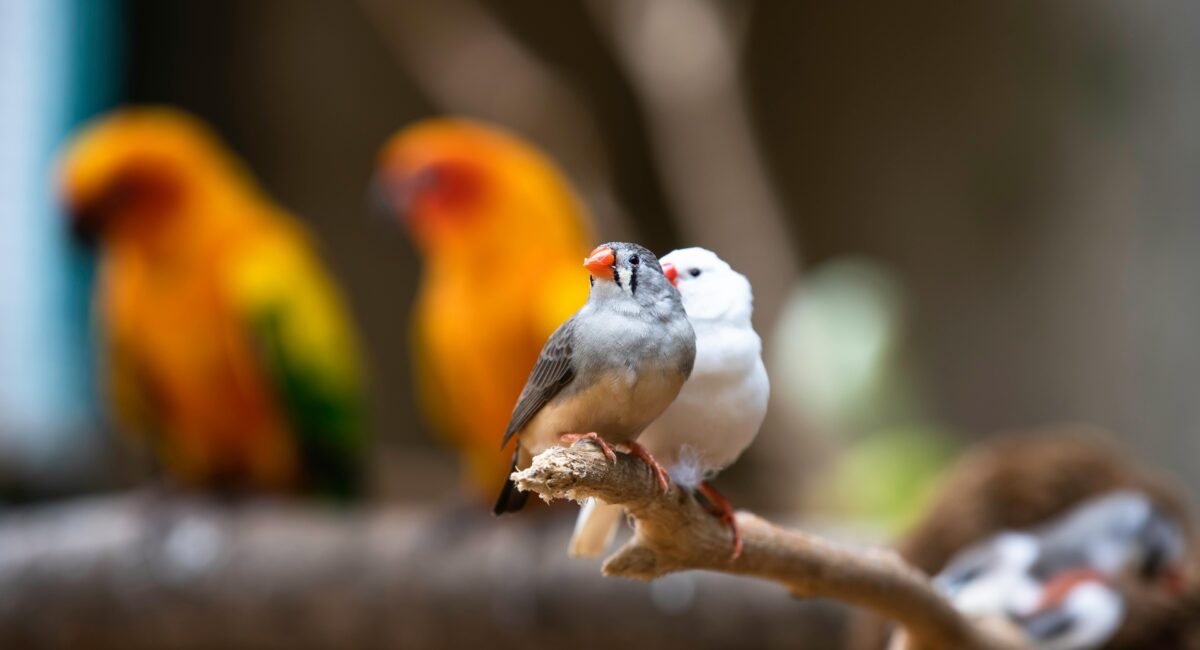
x=659, y=471
x=722, y=509
x=571, y=438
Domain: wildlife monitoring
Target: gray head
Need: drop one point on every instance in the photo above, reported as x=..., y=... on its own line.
x=629, y=277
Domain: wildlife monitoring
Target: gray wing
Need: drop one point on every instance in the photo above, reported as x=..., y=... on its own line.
x=554, y=370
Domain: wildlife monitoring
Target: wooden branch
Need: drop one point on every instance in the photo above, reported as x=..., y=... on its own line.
x=675, y=533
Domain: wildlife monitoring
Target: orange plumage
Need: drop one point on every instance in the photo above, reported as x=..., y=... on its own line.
x=502, y=235
x=225, y=343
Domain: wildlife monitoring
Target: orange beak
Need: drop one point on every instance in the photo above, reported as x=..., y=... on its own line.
x=672, y=273
x=600, y=262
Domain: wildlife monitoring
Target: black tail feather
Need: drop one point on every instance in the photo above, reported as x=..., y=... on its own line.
x=511, y=499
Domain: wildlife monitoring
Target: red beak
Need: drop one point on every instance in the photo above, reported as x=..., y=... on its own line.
x=672, y=273
x=600, y=262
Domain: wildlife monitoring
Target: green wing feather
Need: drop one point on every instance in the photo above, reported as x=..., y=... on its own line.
x=302, y=331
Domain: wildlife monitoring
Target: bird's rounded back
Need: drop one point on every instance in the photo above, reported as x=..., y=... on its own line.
x=460, y=186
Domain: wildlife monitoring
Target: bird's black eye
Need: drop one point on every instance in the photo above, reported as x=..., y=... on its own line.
x=695, y=273
x=634, y=260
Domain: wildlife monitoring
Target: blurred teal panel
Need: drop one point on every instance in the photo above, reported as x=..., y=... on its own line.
x=58, y=64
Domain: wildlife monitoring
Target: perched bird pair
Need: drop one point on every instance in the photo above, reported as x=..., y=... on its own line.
x=721, y=407
x=620, y=363
x=1061, y=582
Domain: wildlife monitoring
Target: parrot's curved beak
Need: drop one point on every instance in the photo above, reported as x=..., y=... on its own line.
x=383, y=204
x=600, y=262
x=393, y=195
x=86, y=220
x=672, y=274
x=144, y=186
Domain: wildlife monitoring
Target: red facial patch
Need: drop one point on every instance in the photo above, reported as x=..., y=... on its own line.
x=443, y=187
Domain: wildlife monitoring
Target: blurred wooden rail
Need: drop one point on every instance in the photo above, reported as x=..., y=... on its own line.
x=143, y=570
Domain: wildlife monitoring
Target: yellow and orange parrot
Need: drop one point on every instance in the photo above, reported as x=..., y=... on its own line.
x=502, y=235
x=225, y=343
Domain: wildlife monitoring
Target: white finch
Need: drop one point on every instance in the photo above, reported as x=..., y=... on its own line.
x=721, y=407
x=611, y=369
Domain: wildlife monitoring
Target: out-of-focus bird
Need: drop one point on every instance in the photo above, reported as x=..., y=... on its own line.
x=722, y=405
x=225, y=342
x=1117, y=536
x=1019, y=481
x=500, y=233
x=610, y=370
